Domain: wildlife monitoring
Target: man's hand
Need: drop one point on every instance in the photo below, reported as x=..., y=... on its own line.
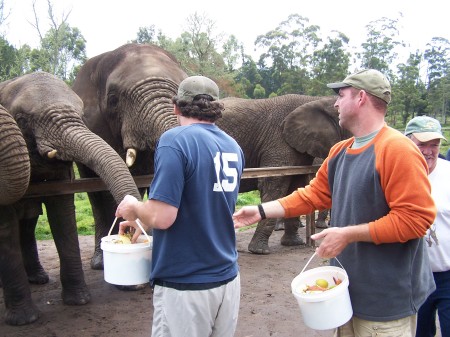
x=246, y=216
x=335, y=239
x=126, y=208
x=333, y=242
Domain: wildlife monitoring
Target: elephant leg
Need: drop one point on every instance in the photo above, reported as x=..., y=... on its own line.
x=321, y=219
x=103, y=208
x=279, y=224
x=259, y=243
x=290, y=236
x=61, y=217
x=20, y=309
x=35, y=271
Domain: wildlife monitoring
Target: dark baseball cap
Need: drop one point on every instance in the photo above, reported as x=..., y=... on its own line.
x=197, y=85
x=370, y=80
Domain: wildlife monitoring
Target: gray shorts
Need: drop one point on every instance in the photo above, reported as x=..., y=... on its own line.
x=196, y=313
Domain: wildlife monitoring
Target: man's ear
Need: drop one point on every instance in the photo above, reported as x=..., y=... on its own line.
x=176, y=110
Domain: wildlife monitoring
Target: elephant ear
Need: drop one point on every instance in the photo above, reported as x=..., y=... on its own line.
x=313, y=127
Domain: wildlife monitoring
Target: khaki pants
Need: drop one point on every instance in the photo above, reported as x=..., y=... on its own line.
x=356, y=327
x=196, y=313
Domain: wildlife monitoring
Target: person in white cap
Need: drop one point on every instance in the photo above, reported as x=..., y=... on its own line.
x=191, y=201
x=426, y=133
x=377, y=187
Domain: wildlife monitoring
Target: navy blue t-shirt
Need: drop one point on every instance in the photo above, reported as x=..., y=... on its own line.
x=198, y=170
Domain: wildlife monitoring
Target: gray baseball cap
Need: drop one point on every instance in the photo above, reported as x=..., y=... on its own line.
x=370, y=80
x=197, y=85
x=424, y=128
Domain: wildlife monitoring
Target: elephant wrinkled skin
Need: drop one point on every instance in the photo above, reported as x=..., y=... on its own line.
x=48, y=113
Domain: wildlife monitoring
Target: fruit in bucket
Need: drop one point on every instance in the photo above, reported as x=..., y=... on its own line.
x=320, y=285
x=123, y=239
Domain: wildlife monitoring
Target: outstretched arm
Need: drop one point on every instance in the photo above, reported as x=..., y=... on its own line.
x=249, y=215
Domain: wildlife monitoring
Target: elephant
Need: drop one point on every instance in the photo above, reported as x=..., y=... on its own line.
x=127, y=95
x=127, y=101
x=288, y=130
x=47, y=112
x=14, y=181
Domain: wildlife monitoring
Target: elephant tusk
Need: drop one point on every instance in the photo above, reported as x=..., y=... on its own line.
x=52, y=154
x=131, y=157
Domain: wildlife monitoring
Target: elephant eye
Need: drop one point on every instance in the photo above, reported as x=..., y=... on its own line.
x=113, y=100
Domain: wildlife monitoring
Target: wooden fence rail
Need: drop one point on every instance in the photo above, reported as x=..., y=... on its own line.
x=80, y=185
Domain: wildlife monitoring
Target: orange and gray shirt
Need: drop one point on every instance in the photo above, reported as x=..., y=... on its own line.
x=384, y=184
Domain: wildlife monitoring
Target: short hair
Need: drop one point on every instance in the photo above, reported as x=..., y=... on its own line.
x=377, y=102
x=202, y=107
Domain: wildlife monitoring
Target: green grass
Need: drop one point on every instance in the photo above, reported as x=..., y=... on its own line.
x=83, y=216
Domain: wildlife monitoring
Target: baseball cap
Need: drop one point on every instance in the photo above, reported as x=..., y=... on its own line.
x=370, y=80
x=197, y=85
x=424, y=128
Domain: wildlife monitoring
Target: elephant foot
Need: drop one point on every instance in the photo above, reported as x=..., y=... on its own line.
x=38, y=276
x=321, y=224
x=97, y=260
x=257, y=246
x=26, y=314
x=77, y=296
x=291, y=240
x=132, y=288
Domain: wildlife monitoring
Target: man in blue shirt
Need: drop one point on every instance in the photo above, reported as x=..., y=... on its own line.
x=190, y=206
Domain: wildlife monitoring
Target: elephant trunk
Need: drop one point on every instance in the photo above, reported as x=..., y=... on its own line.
x=14, y=160
x=87, y=148
x=152, y=107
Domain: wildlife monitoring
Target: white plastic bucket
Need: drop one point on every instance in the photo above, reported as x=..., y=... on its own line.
x=328, y=309
x=127, y=264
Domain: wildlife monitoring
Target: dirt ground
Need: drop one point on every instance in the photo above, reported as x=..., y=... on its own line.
x=268, y=307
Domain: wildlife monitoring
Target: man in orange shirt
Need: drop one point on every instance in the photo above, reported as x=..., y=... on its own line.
x=377, y=187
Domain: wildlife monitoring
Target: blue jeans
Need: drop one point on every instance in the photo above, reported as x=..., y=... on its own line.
x=438, y=301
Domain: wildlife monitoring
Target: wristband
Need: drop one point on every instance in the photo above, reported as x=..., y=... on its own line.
x=261, y=212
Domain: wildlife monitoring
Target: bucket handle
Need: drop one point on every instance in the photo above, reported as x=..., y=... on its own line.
x=139, y=223
x=313, y=257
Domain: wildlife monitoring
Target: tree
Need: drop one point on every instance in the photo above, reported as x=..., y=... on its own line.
x=62, y=50
x=408, y=90
x=285, y=64
x=438, y=75
x=378, y=52
x=329, y=64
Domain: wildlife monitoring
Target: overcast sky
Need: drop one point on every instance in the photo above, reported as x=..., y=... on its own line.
x=107, y=24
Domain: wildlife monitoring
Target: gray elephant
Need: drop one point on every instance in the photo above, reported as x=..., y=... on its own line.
x=48, y=113
x=14, y=179
x=289, y=130
x=127, y=95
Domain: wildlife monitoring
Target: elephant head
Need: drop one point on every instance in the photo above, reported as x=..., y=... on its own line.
x=127, y=95
x=48, y=113
x=130, y=90
x=314, y=127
